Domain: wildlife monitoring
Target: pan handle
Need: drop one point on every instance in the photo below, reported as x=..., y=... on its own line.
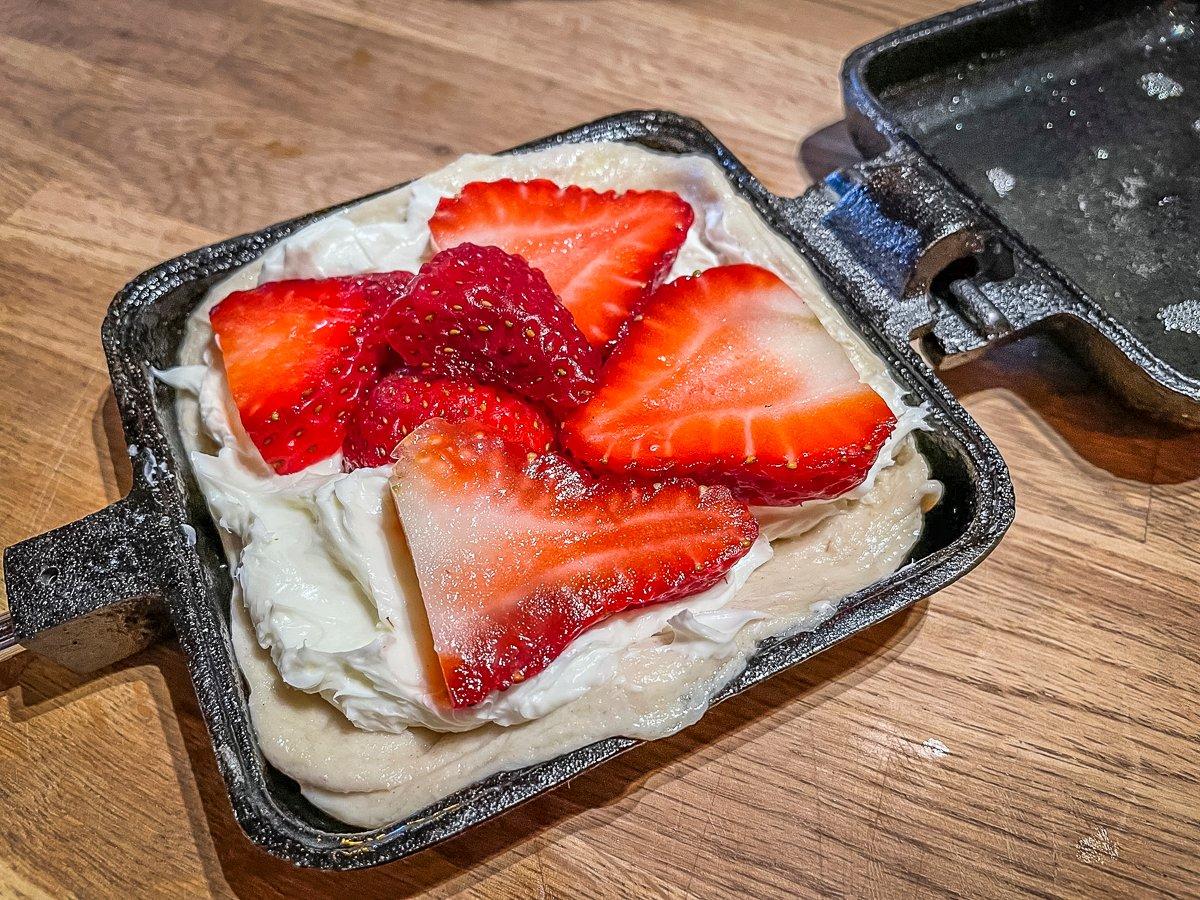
x=90, y=593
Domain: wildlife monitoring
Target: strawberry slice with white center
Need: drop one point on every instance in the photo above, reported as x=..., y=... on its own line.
x=728, y=377
x=298, y=354
x=599, y=251
x=517, y=554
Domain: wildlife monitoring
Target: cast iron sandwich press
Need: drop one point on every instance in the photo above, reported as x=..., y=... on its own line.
x=1031, y=166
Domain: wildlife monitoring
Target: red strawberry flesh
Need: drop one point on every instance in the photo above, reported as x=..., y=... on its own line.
x=298, y=354
x=482, y=314
x=402, y=400
x=729, y=378
x=516, y=554
x=599, y=251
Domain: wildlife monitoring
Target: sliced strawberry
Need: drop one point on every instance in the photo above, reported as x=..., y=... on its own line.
x=297, y=356
x=517, y=554
x=728, y=377
x=599, y=251
x=402, y=401
x=484, y=315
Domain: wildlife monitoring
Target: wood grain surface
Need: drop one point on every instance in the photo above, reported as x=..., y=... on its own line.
x=1031, y=730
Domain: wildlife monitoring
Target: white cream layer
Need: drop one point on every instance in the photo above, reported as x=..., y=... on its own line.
x=323, y=572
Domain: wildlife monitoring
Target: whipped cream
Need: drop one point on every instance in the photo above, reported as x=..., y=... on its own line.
x=325, y=574
x=326, y=600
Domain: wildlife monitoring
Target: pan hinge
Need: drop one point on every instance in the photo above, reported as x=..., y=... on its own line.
x=922, y=261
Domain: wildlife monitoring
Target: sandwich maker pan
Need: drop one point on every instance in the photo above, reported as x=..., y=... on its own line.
x=912, y=247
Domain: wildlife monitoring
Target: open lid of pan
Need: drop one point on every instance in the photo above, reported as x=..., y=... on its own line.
x=1044, y=155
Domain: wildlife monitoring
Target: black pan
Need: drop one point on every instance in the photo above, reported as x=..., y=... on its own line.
x=97, y=589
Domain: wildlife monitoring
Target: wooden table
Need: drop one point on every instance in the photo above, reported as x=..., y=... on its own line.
x=1032, y=729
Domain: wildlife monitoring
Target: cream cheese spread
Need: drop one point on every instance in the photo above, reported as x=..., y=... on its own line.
x=327, y=612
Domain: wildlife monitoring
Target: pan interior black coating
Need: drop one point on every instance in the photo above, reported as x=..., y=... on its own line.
x=1078, y=125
